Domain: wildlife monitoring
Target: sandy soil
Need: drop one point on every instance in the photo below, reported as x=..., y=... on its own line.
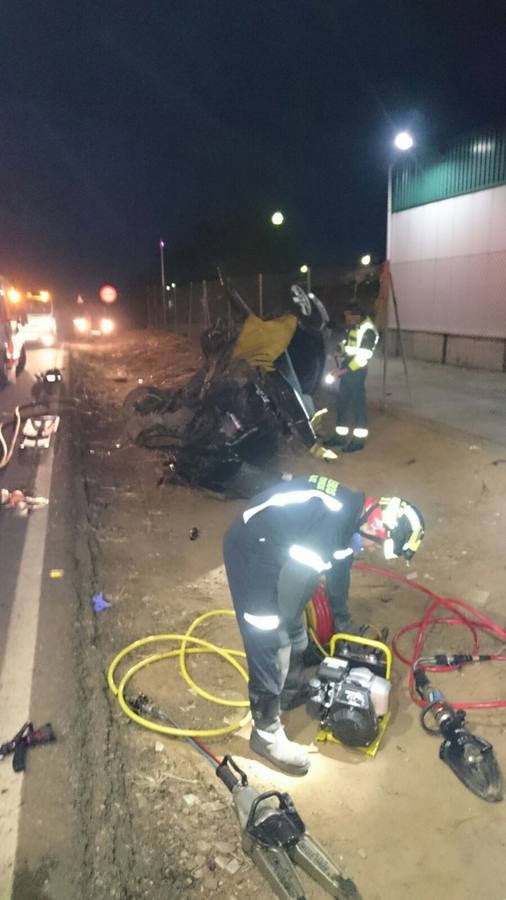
x=161, y=825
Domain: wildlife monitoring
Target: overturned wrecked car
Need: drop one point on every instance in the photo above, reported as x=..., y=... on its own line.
x=224, y=428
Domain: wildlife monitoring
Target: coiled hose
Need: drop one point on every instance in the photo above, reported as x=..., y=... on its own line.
x=5, y=449
x=456, y=612
x=202, y=646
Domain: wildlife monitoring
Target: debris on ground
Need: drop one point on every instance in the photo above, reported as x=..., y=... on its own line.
x=99, y=602
x=21, y=503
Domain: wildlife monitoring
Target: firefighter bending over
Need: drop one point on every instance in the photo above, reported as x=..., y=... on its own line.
x=275, y=553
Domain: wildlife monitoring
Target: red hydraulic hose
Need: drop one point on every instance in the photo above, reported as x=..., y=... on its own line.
x=461, y=613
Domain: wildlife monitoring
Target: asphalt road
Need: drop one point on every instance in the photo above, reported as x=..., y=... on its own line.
x=37, y=827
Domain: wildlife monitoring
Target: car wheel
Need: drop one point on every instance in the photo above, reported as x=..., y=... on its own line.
x=22, y=360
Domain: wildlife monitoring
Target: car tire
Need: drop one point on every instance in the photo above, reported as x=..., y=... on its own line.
x=22, y=360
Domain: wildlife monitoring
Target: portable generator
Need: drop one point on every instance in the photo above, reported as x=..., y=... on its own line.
x=351, y=691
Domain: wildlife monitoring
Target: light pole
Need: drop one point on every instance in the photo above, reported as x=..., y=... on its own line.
x=403, y=141
x=162, y=275
x=306, y=270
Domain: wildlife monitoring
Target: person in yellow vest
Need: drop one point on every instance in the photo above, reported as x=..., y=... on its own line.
x=356, y=349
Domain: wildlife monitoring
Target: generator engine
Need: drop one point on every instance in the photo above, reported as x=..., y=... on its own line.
x=349, y=699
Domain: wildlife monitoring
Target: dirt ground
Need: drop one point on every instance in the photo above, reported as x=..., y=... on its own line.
x=161, y=825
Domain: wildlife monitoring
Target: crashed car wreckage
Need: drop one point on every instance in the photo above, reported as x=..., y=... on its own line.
x=253, y=390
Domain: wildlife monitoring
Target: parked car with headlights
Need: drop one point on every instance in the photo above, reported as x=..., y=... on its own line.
x=93, y=320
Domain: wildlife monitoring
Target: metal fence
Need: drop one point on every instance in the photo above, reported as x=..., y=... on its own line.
x=187, y=309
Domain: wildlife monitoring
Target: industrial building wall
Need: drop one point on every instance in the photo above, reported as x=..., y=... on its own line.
x=449, y=266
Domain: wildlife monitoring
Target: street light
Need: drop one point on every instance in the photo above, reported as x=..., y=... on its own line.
x=162, y=276
x=306, y=270
x=366, y=259
x=402, y=141
x=277, y=218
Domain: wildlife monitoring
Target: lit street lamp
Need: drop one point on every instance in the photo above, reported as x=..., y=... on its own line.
x=403, y=141
x=277, y=218
x=162, y=276
x=306, y=270
x=366, y=259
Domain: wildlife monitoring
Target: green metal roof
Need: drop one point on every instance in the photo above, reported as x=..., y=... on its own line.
x=471, y=164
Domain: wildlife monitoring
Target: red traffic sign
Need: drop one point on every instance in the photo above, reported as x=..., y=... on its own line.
x=108, y=293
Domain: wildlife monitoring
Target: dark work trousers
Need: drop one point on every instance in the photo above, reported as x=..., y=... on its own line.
x=274, y=657
x=351, y=407
x=338, y=586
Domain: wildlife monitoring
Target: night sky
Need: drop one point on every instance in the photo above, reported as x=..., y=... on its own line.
x=126, y=122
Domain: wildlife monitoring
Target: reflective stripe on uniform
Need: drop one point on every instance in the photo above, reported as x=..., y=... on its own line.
x=263, y=623
x=360, y=358
x=308, y=558
x=343, y=554
x=291, y=497
x=360, y=433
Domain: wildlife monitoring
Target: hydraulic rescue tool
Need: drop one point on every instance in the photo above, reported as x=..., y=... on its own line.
x=350, y=693
x=274, y=836
x=471, y=758
x=27, y=737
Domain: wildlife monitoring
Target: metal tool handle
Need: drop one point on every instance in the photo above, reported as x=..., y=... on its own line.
x=224, y=773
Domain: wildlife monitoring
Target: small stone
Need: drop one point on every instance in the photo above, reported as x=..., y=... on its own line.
x=362, y=853
x=211, y=882
x=159, y=747
x=225, y=847
x=190, y=799
x=478, y=597
x=233, y=866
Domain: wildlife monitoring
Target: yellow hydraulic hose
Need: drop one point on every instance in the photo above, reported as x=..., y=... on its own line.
x=118, y=689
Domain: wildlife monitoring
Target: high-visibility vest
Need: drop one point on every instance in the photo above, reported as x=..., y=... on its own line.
x=360, y=343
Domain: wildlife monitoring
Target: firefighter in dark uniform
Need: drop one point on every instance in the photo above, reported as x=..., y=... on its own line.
x=275, y=553
x=356, y=350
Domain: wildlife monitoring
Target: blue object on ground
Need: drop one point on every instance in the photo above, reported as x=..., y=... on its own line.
x=99, y=602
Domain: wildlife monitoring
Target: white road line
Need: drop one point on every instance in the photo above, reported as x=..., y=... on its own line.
x=16, y=675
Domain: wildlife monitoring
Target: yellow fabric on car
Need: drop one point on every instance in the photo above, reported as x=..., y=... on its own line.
x=260, y=343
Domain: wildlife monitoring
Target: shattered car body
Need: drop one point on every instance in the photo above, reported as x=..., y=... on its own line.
x=247, y=398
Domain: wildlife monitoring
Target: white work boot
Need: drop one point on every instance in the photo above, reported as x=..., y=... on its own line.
x=279, y=750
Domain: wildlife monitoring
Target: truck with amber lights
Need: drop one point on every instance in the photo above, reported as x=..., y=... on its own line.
x=12, y=336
